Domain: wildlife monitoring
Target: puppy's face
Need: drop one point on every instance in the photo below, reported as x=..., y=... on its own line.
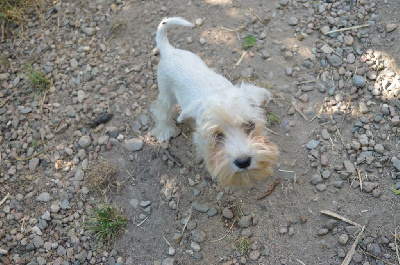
x=234, y=144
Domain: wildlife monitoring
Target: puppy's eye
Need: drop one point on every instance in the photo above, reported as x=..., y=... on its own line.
x=249, y=127
x=219, y=136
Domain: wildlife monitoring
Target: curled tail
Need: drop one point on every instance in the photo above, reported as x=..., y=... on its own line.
x=161, y=36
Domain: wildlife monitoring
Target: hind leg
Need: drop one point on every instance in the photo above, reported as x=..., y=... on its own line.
x=164, y=112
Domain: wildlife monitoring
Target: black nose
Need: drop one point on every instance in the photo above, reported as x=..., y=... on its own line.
x=243, y=162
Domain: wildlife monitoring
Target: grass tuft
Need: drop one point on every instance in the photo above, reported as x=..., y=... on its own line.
x=249, y=41
x=271, y=119
x=14, y=11
x=37, y=78
x=243, y=245
x=106, y=223
x=101, y=176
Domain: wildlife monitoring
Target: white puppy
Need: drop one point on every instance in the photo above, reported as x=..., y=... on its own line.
x=230, y=124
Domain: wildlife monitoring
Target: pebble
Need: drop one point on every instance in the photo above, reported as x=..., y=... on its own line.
x=390, y=27
x=34, y=163
x=254, y=255
x=363, y=107
x=212, y=212
x=348, y=40
x=293, y=21
x=228, y=213
x=199, y=22
x=196, y=247
x=369, y=186
x=43, y=197
x=335, y=60
x=203, y=208
x=322, y=231
x=144, y=204
x=316, y=179
x=343, y=239
x=134, y=144
x=359, y=81
x=245, y=221
x=312, y=144
x=198, y=235
x=85, y=141
x=168, y=261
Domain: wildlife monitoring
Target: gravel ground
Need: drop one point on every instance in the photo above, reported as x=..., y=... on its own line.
x=336, y=99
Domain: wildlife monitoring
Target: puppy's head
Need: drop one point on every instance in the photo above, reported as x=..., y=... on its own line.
x=232, y=140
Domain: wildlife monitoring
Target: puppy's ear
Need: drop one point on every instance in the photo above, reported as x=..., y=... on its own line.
x=257, y=95
x=194, y=111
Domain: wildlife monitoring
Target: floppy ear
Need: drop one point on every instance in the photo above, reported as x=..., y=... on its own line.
x=194, y=111
x=257, y=95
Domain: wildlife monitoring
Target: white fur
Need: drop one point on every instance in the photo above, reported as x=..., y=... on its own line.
x=207, y=97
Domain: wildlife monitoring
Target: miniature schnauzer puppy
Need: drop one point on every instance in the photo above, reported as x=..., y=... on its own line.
x=230, y=134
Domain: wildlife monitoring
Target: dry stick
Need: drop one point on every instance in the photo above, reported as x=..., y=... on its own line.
x=349, y=28
x=395, y=242
x=271, y=131
x=7, y=99
x=375, y=257
x=263, y=21
x=187, y=221
x=142, y=221
x=301, y=113
x=360, y=179
x=27, y=158
x=302, y=263
x=331, y=49
x=306, y=82
x=5, y=198
x=352, y=250
x=241, y=58
x=167, y=241
x=229, y=231
x=340, y=217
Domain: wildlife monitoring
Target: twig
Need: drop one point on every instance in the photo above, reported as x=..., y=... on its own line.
x=271, y=188
x=263, y=21
x=300, y=112
x=7, y=99
x=341, y=218
x=375, y=257
x=167, y=241
x=229, y=231
x=332, y=49
x=142, y=221
x=5, y=198
x=27, y=158
x=302, y=263
x=187, y=221
x=360, y=179
x=170, y=157
x=271, y=131
x=241, y=58
x=349, y=28
x=395, y=242
x=350, y=254
x=41, y=106
x=306, y=82
x=236, y=30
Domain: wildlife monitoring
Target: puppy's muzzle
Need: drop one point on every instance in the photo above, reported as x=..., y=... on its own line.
x=243, y=163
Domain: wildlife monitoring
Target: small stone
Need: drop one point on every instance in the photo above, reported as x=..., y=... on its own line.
x=85, y=141
x=348, y=40
x=293, y=21
x=245, y=221
x=254, y=255
x=374, y=249
x=312, y=144
x=144, y=203
x=316, y=179
x=171, y=251
x=34, y=163
x=335, y=60
x=359, y=81
x=288, y=55
x=247, y=232
x=203, y=208
x=363, y=107
x=325, y=134
x=212, y=212
x=322, y=231
x=343, y=239
x=202, y=41
x=43, y=197
x=390, y=27
x=396, y=163
x=134, y=144
x=325, y=29
x=379, y=148
x=349, y=166
x=89, y=31
x=320, y=187
x=199, y=22
x=196, y=247
x=283, y=230
x=198, y=235
x=326, y=174
x=26, y=110
x=228, y=213
x=331, y=224
x=396, y=120
x=369, y=186
x=177, y=238
x=54, y=208
x=168, y=261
